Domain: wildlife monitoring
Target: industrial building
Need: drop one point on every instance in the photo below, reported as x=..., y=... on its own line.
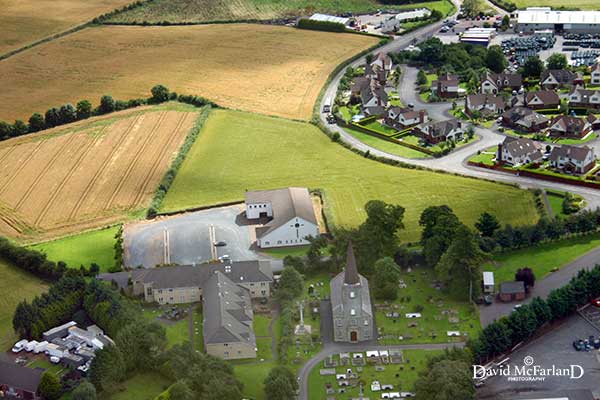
x=538, y=18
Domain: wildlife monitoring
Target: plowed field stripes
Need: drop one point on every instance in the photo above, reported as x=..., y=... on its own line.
x=59, y=152
x=135, y=160
x=8, y=153
x=67, y=177
x=101, y=168
x=21, y=166
x=140, y=194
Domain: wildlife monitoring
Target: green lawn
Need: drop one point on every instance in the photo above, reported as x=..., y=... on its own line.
x=143, y=386
x=177, y=331
x=384, y=145
x=556, y=201
x=83, y=249
x=252, y=375
x=542, y=259
x=438, y=311
x=16, y=285
x=380, y=128
x=261, y=324
x=281, y=252
x=486, y=156
x=238, y=151
x=56, y=369
x=402, y=376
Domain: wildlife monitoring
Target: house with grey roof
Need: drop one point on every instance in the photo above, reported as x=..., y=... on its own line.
x=524, y=119
x=183, y=284
x=595, y=74
x=17, y=382
x=518, y=151
x=555, y=78
x=573, y=159
x=401, y=118
x=227, y=327
x=584, y=98
x=440, y=131
x=494, y=83
x=537, y=100
x=567, y=126
x=485, y=104
x=290, y=213
x=351, y=304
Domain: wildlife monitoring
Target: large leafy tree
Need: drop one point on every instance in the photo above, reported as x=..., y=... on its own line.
x=533, y=67
x=446, y=380
x=291, y=284
x=50, y=387
x=439, y=225
x=459, y=266
x=85, y=391
x=280, y=384
x=557, y=61
x=108, y=368
x=526, y=276
x=487, y=224
x=495, y=59
x=385, y=279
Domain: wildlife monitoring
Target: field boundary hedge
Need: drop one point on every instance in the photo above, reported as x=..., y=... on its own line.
x=171, y=173
x=536, y=175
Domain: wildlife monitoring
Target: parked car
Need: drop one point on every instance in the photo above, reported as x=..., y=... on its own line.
x=578, y=345
x=19, y=346
x=54, y=360
x=488, y=299
x=595, y=302
x=220, y=244
x=331, y=119
x=517, y=306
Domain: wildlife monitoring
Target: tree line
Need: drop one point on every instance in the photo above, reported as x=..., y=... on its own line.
x=67, y=113
x=503, y=334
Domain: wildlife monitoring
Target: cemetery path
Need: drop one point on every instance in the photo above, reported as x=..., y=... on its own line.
x=334, y=348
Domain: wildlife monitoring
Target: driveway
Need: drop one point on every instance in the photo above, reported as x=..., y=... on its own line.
x=188, y=238
x=543, y=287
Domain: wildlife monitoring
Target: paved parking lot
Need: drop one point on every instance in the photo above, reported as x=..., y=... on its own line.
x=188, y=238
x=554, y=348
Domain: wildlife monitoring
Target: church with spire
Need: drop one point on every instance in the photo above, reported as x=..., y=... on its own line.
x=351, y=304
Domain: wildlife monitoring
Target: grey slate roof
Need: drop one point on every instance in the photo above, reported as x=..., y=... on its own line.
x=286, y=203
x=585, y=94
x=512, y=287
x=578, y=153
x=195, y=276
x=351, y=276
x=18, y=377
x=441, y=128
x=519, y=147
x=548, y=97
x=524, y=116
x=230, y=316
x=513, y=80
x=560, y=75
x=570, y=124
x=361, y=284
x=480, y=100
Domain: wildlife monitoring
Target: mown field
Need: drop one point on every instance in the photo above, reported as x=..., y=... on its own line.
x=83, y=249
x=87, y=174
x=268, y=69
x=26, y=21
x=239, y=151
x=581, y=4
x=240, y=10
x=15, y=285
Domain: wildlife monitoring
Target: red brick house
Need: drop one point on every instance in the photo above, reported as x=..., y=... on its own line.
x=436, y=132
x=512, y=291
x=401, y=118
x=446, y=86
x=524, y=119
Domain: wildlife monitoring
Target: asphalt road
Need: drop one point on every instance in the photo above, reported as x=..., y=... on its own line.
x=543, y=287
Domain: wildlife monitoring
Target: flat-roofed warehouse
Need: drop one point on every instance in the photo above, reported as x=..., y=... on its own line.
x=538, y=18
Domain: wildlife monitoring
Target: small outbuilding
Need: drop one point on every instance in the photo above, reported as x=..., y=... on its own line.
x=512, y=291
x=488, y=282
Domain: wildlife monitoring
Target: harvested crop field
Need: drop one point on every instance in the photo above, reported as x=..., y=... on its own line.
x=25, y=21
x=88, y=174
x=228, y=10
x=268, y=69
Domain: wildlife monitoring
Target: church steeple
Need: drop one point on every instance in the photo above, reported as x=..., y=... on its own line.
x=350, y=272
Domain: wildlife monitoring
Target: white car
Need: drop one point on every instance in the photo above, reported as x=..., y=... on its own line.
x=54, y=360
x=19, y=346
x=375, y=386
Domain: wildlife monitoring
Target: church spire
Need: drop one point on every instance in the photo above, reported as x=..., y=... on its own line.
x=350, y=272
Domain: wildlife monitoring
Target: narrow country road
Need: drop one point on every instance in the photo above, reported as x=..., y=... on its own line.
x=335, y=348
x=543, y=287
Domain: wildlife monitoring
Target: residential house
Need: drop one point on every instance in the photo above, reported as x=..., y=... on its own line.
x=376, y=74
x=495, y=83
x=540, y=100
x=485, y=104
x=524, y=119
x=58, y=332
x=358, y=84
x=436, y=132
x=382, y=61
x=18, y=382
x=351, y=304
x=374, y=99
x=227, y=327
x=401, y=118
x=555, y=78
x=512, y=291
x=291, y=213
x=595, y=74
x=446, y=86
x=519, y=151
x=566, y=126
x=185, y=283
x=573, y=159
x=584, y=98
x=594, y=121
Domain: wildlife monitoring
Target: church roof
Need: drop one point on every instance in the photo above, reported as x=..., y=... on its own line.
x=351, y=272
